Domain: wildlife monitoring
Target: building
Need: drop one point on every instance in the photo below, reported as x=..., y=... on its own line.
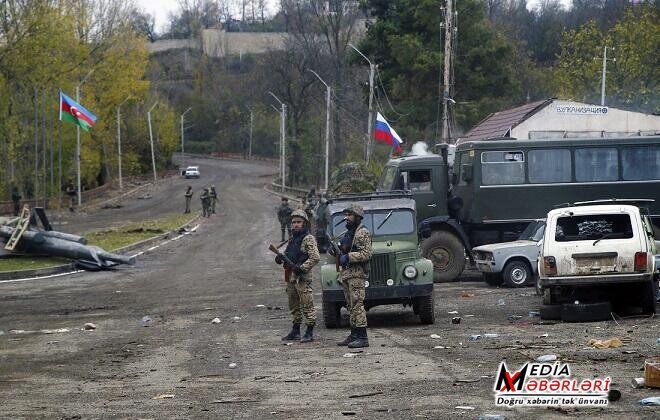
x=554, y=118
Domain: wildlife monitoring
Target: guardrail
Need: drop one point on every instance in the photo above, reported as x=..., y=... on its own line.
x=7, y=207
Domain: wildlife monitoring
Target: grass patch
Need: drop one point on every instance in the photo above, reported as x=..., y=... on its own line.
x=110, y=240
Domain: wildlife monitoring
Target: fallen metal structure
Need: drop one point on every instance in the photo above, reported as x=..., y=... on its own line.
x=22, y=235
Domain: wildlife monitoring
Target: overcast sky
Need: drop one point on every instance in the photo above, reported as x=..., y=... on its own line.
x=162, y=8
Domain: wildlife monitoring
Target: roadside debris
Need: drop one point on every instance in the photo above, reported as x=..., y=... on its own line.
x=453, y=312
x=652, y=372
x=542, y=336
x=491, y=335
x=650, y=401
x=232, y=365
x=534, y=314
x=501, y=302
x=90, y=326
x=163, y=397
x=464, y=407
x=146, y=321
x=638, y=383
x=236, y=318
x=456, y=320
x=514, y=317
x=369, y=394
x=614, y=395
x=349, y=355
x=474, y=337
x=147, y=196
x=260, y=306
x=215, y=321
x=605, y=344
x=547, y=358
x=467, y=295
x=436, y=336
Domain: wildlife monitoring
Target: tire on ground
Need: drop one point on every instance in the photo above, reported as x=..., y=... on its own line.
x=447, y=253
x=493, y=279
x=426, y=309
x=517, y=273
x=550, y=312
x=586, y=312
x=331, y=314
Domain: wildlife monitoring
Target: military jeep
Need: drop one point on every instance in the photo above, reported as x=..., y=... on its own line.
x=398, y=274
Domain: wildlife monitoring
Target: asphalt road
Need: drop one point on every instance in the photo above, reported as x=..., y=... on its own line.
x=51, y=367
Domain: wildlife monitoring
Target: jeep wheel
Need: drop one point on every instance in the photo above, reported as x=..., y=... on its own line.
x=517, y=274
x=447, y=253
x=493, y=279
x=331, y=314
x=426, y=309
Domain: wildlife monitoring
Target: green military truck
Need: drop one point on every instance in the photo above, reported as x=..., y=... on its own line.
x=496, y=187
x=398, y=274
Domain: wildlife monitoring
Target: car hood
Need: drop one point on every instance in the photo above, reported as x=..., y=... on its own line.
x=383, y=247
x=504, y=245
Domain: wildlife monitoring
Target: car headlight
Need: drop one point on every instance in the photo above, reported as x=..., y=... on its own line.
x=410, y=272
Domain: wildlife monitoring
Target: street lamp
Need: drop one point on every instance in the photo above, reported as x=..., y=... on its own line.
x=282, y=140
x=151, y=138
x=372, y=71
x=251, y=125
x=182, y=149
x=79, y=189
x=121, y=185
x=328, y=93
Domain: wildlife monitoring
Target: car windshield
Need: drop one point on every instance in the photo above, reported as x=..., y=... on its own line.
x=386, y=182
x=380, y=222
x=533, y=232
x=593, y=226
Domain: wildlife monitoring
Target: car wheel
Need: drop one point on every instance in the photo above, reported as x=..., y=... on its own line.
x=649, y=297
x=517, y=274
x=586, y=312
x=551, y=312
x=447, y=253
x=493, y=279
x=426, y=309
x=331, y=314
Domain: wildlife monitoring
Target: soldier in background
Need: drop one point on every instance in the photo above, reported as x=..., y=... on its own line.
x=189, y=196
x=303, y=252
x=206, y=203
x=71, y=192
x=16, y=199
x=284, y=216
x=214, y=198
x=355, y=247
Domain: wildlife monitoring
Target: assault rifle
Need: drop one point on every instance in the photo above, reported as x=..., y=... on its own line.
x=335, y=250
x=288, y=264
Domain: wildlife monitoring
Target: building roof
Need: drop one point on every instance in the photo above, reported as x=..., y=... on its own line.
x=499, y=124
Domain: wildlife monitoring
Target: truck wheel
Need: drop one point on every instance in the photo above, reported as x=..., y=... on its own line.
x=426, y=309
x=517, y=274
x=493, y=279
x=447, y=253
x=331, y=314
x=649, y=297
x=552, y=312
x=586, y=312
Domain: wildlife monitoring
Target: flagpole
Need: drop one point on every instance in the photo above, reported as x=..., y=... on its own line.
x=151, y=139
x=79, y=189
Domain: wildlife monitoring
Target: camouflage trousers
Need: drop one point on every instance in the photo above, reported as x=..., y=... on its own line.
x=285, y=227
x=354, y=295
x=213, y=200
x=301, y=302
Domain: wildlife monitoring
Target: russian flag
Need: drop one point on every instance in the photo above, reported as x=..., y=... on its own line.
x=386, y=134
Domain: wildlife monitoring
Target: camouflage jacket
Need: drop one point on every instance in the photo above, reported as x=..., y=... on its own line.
x=205, y=197
x=359, y=256
x=309, y=247
x=189, y=194
x=213, y=193
x=284, y=214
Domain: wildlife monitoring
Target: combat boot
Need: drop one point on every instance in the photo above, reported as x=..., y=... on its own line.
x=361, y=340
x=294, y=334
x=351, y=337
x=309, y=335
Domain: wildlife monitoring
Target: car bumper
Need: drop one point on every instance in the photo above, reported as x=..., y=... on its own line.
x=595, y=280
x=487, y=266
x=393, y=293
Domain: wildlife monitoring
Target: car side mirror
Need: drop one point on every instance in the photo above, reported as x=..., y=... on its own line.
x=466, y=172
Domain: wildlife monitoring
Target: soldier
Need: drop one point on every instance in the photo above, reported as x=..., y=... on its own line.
x=189, y=196
x=284, y=216
x=214, y=198
x=303, y=252
x=16, y=199
x=71, y=192
x=206, y=203
x=355, y=247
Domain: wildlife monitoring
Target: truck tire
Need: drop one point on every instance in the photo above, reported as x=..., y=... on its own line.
x=426, y=309
x=649, y=297
x=586, y=312
x=331, y=314
x=517, y=273
x=447, y=253
x=551, y=312
x=493, y=279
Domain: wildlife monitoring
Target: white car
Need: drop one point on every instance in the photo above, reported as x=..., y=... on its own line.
x=597, y=252
x=192, y=172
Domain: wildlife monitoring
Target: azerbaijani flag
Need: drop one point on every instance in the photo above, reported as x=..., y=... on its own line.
x=73, y=112
x=386, y=134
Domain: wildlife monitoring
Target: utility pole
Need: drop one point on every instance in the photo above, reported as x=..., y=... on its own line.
x=328, y=94
x=151, y=139
x=446, y=135
x=121, y=185
x=182, y=143
x=370, y=128
x=79, y=189
x=283, y=140
x=251, y=125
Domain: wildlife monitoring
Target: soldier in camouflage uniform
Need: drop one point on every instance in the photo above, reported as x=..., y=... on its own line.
x=214, y=198
x=189, y=196
x=284, y=216
x=206, y=203
x=303, y=252
x=355, y=247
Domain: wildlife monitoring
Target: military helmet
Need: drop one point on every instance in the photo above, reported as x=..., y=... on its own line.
x=300, y=213
x=355, y=209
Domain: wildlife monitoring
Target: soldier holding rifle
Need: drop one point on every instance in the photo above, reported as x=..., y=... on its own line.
x=299, y=258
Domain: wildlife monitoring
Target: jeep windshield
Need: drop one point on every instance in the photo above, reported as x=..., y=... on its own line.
x=380, y=223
